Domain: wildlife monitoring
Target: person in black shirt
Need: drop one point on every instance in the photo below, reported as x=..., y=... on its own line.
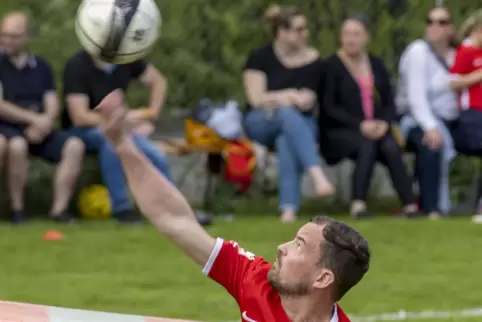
x=280, y=80
x=28, y=111
x=86, y=83
x=356, y=116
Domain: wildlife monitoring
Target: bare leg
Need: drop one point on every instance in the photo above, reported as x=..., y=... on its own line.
x=66, y=175
x=17, y=172
x=322, y=185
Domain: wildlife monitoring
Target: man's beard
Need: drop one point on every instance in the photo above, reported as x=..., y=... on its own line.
x=292, y=290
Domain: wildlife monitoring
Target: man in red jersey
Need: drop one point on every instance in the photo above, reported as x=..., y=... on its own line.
x=311, y=273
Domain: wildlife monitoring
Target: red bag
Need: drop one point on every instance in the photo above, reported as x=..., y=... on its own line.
x=240, y=162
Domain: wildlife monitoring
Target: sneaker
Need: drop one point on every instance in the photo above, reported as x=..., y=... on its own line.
x=64, y=218
x=477, y=219
x=18, y=217
x=128, y=217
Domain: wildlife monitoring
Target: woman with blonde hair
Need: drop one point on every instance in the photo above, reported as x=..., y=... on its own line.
x=280, y=81
x=467, y=80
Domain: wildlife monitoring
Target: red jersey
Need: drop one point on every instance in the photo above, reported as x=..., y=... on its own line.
x=467, y=60
x=244, y=276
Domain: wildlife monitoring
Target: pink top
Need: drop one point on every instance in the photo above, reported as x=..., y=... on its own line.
x=366, y=90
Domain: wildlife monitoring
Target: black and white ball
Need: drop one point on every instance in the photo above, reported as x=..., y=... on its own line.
x=118, y=31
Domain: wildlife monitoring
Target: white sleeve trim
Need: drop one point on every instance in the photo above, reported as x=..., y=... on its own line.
x=334, y=318
x=213, y=256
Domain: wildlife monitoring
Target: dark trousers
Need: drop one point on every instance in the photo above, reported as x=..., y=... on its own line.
x=389, y=153
x=427, y=170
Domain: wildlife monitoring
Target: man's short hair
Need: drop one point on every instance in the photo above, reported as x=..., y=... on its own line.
x=345, y=252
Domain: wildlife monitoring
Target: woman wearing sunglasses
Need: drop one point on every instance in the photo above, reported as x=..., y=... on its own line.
x=428, y=106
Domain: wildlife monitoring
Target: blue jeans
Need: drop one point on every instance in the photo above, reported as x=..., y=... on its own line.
x=428, y=165
x=293, y=136
x=110, y=164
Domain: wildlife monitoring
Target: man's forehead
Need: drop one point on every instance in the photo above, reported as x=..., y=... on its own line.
x=438, y=13
x=312, y=233
x=15, y=22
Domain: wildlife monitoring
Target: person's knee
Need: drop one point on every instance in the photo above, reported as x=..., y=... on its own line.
x=74, y=149
x=18, y=148
x=92, y=138
x=429, y=156
x=253, y=121
x=390, y=147
x=287, y=112
x=366, y=146
x=258, y=127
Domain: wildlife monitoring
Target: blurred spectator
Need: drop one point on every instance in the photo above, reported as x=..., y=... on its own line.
x=356, y=116
x=86, y=83
x=28, y=111
x=3, y=148
x=280, y=79
x=429, y=106
x=467, y=78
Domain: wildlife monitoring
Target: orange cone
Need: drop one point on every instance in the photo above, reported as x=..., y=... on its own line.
x=53, y=235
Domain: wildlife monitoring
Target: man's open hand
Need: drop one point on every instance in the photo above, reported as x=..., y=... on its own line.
x=113, y=113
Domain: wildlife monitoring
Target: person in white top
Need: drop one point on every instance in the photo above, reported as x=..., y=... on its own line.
x=428, y=104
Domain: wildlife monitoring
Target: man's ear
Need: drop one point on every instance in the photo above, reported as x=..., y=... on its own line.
x=325, y=279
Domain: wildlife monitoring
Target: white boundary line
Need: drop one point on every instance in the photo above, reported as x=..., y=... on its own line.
x=421, y=315
x=23, y=312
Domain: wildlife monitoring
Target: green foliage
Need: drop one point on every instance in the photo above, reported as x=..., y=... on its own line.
x=204, y=44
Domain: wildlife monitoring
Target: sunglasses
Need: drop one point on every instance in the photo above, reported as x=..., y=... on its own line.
x=441, y=22
x=300, y=29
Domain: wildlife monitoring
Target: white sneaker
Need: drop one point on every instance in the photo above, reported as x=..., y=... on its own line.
x=477, y=219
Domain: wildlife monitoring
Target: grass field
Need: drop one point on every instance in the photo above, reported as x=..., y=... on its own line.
x=417, y=265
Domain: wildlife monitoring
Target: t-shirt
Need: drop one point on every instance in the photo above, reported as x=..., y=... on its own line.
x=279, y=77
x=82, y=76
x=26, y=86
x=468, y=59
x=244, y=276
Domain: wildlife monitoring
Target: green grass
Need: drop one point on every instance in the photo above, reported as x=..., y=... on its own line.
x=417, y=265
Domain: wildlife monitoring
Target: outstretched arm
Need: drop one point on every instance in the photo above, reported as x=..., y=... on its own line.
x=158, y=199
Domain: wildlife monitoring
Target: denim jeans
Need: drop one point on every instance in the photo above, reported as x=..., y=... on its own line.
x=428, y=165
x=293, y=136
x=111, y=167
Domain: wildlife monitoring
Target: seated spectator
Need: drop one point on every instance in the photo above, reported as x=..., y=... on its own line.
x=356, y=115
x=3, y=148
x=429, y=107
x=28, y=111
x=467, y=78
x=86, y=83
x=280, y=79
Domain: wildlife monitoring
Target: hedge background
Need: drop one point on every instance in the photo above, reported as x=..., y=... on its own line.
x=204, y=43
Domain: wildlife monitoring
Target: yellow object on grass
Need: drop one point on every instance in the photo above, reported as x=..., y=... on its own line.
x=93, y=202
